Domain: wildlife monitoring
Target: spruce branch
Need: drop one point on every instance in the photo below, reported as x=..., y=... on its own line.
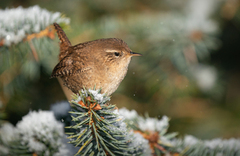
x=153, y=130
x=191, y=146
x=98, y=127
x=37, y=134
x=27, y=43
x=18, y=24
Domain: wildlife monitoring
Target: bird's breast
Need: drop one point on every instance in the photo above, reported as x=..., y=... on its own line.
x=114, y=77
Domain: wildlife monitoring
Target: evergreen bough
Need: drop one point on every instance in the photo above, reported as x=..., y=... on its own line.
x=98, y=127
x=191, y=146
x=38, y=134
x=27, y=46
x=153, y=130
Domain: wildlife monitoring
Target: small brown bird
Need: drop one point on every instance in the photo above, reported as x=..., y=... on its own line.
x=101, y=63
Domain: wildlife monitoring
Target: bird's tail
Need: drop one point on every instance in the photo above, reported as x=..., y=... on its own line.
x=64, y=42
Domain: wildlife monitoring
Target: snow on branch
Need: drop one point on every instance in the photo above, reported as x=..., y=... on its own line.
x=38, y=132
x=16, y=23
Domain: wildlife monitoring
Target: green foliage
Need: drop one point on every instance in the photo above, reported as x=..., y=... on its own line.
x=98, y=129
x=152, y=129
x=37, y=133
x=203, y=150
x=27, y=46
x=16, y=148
x=20, y=64
x=171, y=49
x=191, y=146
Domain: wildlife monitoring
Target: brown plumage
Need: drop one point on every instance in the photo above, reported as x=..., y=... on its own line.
x=102, y=63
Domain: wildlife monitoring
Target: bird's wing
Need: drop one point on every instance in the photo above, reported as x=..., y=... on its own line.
x=69, y=66
x=63, y=68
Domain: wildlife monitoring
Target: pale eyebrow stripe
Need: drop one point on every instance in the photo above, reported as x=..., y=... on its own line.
x=111, y=51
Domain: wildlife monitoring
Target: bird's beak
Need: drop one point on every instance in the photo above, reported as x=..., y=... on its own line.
x=135, y=54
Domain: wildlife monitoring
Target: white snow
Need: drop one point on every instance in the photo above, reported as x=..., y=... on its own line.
x=37, y=128
x=205, y=76
x=100, y=98
x=231, y=144
x=218, y=142
x=7, y=133
x=152, y=124
x=127, y=114
x=199, y=12
x=97, y=96
x=190, y=140
x=139, y=143
x=16, y=23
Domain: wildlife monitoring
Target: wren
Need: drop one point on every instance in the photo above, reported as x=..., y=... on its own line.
x=101, y=63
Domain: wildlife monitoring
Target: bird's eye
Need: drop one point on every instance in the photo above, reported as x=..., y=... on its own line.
x=116, y=54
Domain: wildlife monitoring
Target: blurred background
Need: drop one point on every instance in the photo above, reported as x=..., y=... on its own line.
x=189, y=71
